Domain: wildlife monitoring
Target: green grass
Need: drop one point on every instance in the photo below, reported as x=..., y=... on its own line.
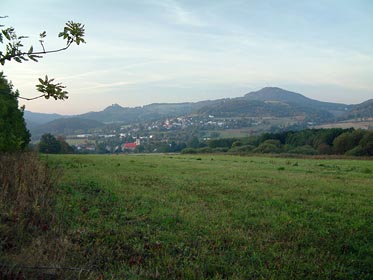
x=214, y=217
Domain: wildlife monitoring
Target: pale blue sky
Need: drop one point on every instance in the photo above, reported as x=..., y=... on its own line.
x=145, y=51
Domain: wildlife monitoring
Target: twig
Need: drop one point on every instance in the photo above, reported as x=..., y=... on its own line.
x=32, y=98
x=10, y=56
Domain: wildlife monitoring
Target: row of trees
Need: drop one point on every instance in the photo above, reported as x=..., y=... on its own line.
x=321, y=141
x=309, y=141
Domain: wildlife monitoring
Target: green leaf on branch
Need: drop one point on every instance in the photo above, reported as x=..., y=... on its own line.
x=13, y=49
x=50, y=89
x=73, y=32
x=7, y=33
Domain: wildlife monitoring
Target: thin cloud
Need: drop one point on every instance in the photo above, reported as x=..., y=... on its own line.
x=180, y=14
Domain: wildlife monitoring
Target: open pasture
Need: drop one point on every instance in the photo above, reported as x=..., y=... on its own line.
x=216, y=217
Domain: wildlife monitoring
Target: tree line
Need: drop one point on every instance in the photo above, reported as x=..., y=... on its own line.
x=333, y=141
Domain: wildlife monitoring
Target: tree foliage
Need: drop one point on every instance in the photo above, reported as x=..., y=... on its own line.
x=308, y=142
x=73, y=32
x=347, y=141
x=13, y=132
x=49, y=144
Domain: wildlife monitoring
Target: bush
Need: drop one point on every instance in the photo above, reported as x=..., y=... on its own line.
x=274, y=142
x=304, y=150
x=189, y=151
x=221, y=143
x=324, y=149
x=242, y=149
x=269, y=146
x=220, y=150
x=357, y=151
x=237, y=144
x=204, y=150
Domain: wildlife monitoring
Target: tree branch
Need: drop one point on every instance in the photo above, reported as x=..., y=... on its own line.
x=32, y=98
x=10, y=56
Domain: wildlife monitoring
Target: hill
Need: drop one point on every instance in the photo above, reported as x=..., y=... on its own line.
x=34, y=120
x=66, y=126
x=362, y=110
x=155, y=111
x=293, y=98
x=269, y=102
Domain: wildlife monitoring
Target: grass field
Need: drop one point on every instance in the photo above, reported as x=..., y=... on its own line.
x=218, y=217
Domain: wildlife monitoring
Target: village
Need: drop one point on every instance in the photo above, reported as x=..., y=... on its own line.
x=168, y=135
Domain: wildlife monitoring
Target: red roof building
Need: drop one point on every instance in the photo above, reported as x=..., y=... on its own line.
x=129, y=146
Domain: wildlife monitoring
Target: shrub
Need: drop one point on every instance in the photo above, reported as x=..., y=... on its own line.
x=357, y=151
x=242, y=149
x=269, y=146
x=274, y=142
x=220, y=150
x=324, y=149
x=304, y=150
x=237, y=144
x=204, y=150
x=221, y=143
x=189, y=151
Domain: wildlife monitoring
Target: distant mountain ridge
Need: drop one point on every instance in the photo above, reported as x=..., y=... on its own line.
x=117, y=113
x=278, y=94
x=34, y=120
x=267, y=102
x=362, y=110
x=65, y=126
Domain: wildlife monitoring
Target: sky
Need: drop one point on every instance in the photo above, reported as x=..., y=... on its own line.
x=153, y=51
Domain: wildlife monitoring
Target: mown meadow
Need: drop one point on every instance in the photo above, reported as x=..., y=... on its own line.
x=217, y=216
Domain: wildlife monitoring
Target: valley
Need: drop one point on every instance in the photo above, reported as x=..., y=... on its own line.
x=158, y=125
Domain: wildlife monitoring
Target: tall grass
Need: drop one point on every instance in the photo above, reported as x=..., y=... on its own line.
x=32, y=241
x=219, y=216
x=185, y=217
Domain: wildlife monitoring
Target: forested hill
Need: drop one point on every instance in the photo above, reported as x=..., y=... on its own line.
x=65, y=126
x=269, y=101
x=35, y=120
x=155, y=111
x=362, y=110
x=293, y=98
